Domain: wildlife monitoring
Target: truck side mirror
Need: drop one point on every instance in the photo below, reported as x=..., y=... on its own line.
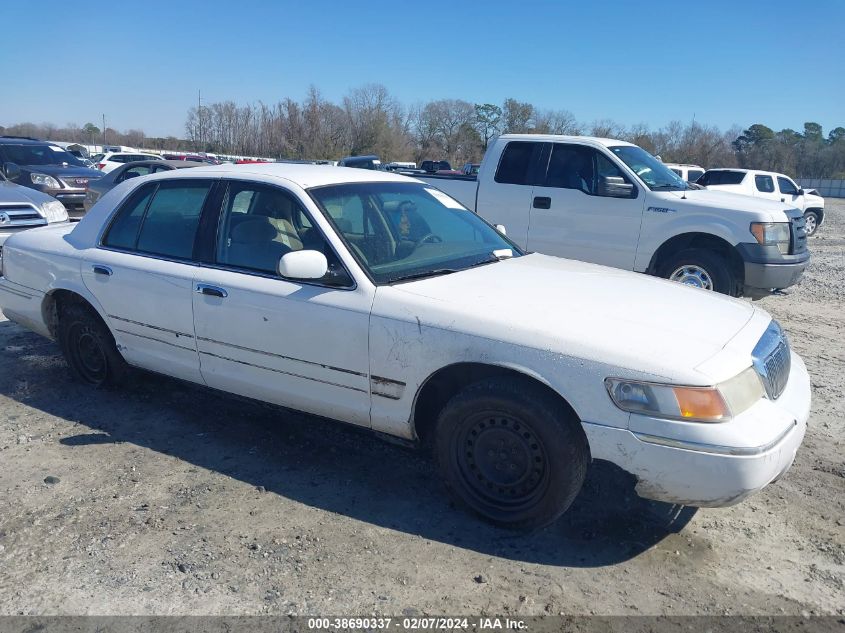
x=501, y=229
x=800, y=191
x=12, y=171
x=616, y=187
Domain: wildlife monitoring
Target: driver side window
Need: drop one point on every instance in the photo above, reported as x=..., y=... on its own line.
x=787, y=187
x=260, y=224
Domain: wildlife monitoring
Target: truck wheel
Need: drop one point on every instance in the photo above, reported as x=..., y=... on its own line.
x=811, y=222
x=700, y=269
x=89, y=347
x=511, y=453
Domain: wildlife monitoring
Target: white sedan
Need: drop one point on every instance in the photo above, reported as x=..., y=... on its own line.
x=378, y=300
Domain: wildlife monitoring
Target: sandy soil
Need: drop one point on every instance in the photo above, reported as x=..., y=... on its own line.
x=169, y=499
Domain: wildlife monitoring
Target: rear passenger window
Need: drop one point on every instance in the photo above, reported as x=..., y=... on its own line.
x=160, y=219
x=723, y=177
x=172, y=218
x=764, y=184
x=123, y=232
x=693, y=175
x=516, y=162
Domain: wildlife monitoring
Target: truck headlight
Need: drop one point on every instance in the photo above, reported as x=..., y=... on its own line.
x=45, y=181
x=54, y=211
x=767, y=233
x=692, y=404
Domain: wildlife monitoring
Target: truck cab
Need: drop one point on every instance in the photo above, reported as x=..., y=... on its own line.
x=610, y=202
x=770, y=185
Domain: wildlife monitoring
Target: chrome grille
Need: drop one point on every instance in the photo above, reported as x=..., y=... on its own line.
x=15, y=216
x=72, y=182
x=772, y=360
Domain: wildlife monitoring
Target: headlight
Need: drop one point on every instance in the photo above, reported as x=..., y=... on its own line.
x=772, y=233
x=54, y=211
x=692, y=404
x=45, y=181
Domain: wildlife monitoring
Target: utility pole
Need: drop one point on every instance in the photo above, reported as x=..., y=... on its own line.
x=199, y=118
x=104, y=133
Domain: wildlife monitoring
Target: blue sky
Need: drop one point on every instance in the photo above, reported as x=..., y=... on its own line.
x=778, y=63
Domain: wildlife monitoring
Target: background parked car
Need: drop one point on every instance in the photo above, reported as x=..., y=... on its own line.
x=433, y=166
x=116, y=176
x=46, y=168
x=362, y=162
x=115, y=159
x=771, y=185
x=470, y=169
x=690, y=173
x=23, y=208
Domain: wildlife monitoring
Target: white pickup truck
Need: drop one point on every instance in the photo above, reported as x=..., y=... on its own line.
x=612, y=203
x=770, y=185
x=310, y=287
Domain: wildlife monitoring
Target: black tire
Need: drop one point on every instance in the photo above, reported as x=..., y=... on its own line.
x=541, y=460
x=89, y=347
x=714, y=266
x=812, y=223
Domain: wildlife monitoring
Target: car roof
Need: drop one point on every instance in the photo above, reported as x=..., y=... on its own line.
x=21, y=140
x=551, y=138
x=306, y=176
x=178, y=164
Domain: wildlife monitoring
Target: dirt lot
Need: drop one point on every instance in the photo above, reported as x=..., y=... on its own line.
x=169, y=499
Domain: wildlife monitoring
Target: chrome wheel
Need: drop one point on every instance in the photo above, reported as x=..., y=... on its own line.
x=810, y=223
x=691, y=275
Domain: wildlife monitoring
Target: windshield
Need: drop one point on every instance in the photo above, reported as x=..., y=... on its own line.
x=656, y=175
x=40, y=155
x=400, y=231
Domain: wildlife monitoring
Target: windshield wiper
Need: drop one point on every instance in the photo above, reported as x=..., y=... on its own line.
x=668, y=187
x=425, y=273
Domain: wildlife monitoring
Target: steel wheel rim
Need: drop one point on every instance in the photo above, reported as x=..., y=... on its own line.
x=501, y=461
x=692, y=275
x=88, y=355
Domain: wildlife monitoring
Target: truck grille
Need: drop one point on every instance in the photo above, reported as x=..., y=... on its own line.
x=772, y=360
x=15, y=216
x=799, y=235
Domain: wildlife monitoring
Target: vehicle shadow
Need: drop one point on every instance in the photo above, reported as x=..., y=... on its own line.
x=326, y=464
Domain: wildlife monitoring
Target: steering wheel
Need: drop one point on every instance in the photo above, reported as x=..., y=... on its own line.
x=427, y=237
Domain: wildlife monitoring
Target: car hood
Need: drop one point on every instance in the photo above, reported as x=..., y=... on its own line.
x=10, y=193
x=65, y=171
x=581, y=310
x=734, y=201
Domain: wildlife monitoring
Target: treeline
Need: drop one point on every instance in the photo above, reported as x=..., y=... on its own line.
x=369, y=120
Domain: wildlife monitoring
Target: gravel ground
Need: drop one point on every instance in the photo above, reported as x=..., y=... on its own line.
x=169, y=499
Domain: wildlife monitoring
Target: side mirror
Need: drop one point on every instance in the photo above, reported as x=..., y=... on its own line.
x=303, y=265
x=615, y=187
x=12, y=171
x=800, y=191
x=501, y=229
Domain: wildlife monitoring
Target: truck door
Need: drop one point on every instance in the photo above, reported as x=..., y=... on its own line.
x=764, y=187
x=505, y=197
x=789, y=192
x=573, y=215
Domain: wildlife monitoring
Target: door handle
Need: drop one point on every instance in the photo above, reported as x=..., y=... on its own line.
x=99, y=269
x=212, y=291
x=542, y=202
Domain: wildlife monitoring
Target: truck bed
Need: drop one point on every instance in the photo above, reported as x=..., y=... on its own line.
x=461, y=188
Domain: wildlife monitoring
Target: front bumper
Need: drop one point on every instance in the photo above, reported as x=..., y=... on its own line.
x=766, y=268
x=719, y=472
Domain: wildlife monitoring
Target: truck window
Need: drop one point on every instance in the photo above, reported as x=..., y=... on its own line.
x=722, y=177
x=677, y=171
x=765, y=184
x=571, y=167
x=787, y=186
x=694, y=174
x=515, y=164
